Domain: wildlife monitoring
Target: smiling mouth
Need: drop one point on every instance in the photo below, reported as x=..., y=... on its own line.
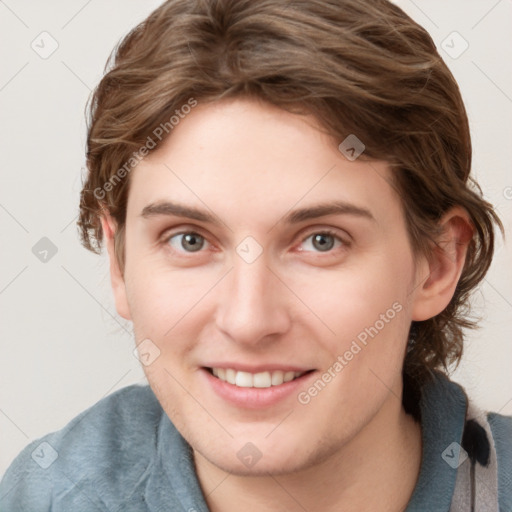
x=264, y=379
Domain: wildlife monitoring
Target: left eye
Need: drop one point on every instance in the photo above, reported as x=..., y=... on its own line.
x=322, y=242
x=189, y=242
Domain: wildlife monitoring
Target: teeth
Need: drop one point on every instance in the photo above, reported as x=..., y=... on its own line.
x=288, y=376
x=243, y=380
x=254, y=380
x=277, y=378
x=230, y=376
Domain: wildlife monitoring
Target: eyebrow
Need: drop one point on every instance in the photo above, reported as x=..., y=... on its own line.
x=332, y=208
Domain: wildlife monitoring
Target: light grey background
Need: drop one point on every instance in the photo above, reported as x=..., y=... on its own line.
x=63, y=345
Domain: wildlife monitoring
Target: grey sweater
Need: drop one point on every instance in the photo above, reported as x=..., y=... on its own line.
x=124, y=454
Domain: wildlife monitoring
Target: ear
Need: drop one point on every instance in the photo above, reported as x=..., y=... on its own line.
x=116, y=276
x=442, y=272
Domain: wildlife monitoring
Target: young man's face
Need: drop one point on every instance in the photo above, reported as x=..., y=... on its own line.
x=297, y=260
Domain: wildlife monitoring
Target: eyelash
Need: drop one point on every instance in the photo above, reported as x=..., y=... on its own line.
x=344, y=243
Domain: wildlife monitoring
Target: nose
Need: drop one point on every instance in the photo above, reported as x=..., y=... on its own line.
x=252, y=304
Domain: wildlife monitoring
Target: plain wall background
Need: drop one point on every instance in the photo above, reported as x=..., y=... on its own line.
x=63, y=345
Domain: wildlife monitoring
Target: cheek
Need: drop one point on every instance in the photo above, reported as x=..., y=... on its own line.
x=354, y=298
x=162, y=300
x=381, y=320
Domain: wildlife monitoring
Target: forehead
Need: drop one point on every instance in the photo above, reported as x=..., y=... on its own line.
x=251, y=161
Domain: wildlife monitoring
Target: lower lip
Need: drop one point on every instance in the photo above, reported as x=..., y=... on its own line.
x=255, y=398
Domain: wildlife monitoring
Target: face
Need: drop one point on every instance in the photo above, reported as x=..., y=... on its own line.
x=256, y=253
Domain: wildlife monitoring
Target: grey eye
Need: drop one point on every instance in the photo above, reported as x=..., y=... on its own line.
x=323, y=242
x=190, y=242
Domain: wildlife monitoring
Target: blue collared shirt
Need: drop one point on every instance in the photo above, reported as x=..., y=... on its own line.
x=124, y=454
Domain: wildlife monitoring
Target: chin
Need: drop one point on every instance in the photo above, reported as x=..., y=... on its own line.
x=260, y=467
x=285, y=454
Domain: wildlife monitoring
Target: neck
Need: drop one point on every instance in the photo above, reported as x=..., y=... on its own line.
x=376, y=470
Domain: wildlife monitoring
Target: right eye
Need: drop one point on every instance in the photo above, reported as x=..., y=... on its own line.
x=186, y=242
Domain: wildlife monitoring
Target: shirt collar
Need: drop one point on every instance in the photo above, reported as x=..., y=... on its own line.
x=443, y=412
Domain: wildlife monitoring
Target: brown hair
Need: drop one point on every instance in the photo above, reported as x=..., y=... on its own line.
x=360, y=67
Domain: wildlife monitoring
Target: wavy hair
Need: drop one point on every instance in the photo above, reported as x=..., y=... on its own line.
x=359, y=66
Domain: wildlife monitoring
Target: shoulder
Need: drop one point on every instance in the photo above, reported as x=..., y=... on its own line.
x=501, y=427
x=106, y=448
x=474, y=471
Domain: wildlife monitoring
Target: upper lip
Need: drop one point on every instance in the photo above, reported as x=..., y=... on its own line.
x=270, y=367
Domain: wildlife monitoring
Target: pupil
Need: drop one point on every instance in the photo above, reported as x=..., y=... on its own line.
x=191, y=242
x=323, y=242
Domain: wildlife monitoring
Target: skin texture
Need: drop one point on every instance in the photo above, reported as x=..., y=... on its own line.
x=249, y=165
